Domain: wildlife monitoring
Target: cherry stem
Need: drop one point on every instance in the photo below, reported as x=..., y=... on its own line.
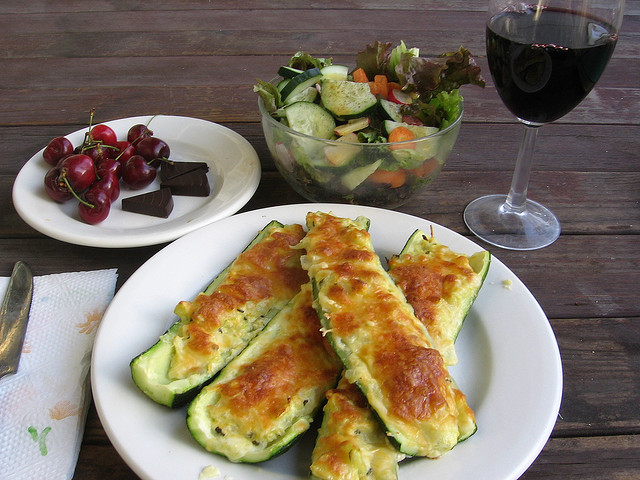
x=63, y=177
x=161, y=159
x=86, y=135
x=119, y=155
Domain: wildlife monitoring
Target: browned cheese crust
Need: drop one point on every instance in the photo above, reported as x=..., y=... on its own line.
x=385, y=348
x=270, y=269
x=433, y=284
x=351, y=442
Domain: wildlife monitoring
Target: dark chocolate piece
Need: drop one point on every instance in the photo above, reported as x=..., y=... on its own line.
x=158, y=203
x=172, y=169
x=192, y=184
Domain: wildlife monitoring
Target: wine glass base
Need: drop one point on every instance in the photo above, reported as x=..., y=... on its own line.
x=492, y=221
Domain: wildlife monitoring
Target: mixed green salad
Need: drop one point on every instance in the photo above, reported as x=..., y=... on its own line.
x=391, y=95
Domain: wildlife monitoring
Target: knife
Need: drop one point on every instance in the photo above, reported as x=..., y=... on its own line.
x=14, y=315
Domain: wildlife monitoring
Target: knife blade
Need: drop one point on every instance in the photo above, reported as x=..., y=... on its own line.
x=14, y=315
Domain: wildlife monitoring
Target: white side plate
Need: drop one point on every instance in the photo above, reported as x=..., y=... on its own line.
x=234, y=174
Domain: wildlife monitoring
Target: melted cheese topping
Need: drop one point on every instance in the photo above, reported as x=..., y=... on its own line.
x=280, y=378
x=350, y=444
x=261, y=278
x=385, y=348
x=437, y=282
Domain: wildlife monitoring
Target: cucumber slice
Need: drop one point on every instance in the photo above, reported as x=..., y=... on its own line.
x=309, y=94
x=310, y=119
x=300, y=82
x=346, y=99
x=335, y=72
x=358, y=175
x=282, y=83
x=418, y=130
x=391, y=110
x=289, y=72
x=343, y=154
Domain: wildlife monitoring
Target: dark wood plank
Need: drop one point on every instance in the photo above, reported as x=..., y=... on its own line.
x=591, y=458
x=201, y=58
x=605, y=202
x=600, y=273
x=584, y=203
x=601, y=367
x=220, y=89
x=102, y=462
x=98, y=6
x=480, y=146
x=594, y=458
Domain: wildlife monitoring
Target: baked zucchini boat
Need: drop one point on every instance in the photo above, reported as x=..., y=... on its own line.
x=351, y=444
x=268, y=395
x=385, y=349
x=219, y=323
x=440, y=285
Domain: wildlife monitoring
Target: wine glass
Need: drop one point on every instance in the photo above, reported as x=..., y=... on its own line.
x=544, y=59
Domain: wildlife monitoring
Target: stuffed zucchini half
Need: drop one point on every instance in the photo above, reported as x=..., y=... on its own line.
x=267, y=396
x=386, y=350
x=351, y=444
x=219, y=323
x=440, y=285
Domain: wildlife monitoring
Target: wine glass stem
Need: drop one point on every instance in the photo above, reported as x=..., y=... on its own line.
x=517, y=197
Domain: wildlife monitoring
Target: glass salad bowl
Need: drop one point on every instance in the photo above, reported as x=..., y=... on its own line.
x=375, y=174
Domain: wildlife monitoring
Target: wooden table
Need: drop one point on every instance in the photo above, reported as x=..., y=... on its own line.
x=200, y=59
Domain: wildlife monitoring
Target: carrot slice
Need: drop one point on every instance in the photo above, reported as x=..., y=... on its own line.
x=401, y=134
x=394, y=85
x=426, y=168
x=360, y=76
x=382, y=85
x=393, y=178
x=378, y=89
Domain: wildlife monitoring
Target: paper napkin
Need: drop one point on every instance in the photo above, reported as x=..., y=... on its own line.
x=43, y=406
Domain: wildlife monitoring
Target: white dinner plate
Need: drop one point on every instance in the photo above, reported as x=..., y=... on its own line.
x=509, y=363
x=234, y=174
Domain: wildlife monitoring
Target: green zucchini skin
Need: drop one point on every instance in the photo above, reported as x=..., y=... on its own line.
x=265, y=398
x=351, y=442
x=150, y=370
x=441, y=285
x=385, y=349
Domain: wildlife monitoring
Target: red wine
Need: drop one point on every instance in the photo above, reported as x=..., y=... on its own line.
x=544, y=62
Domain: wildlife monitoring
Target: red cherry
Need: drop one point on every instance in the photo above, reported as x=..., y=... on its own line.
x=79, y=171
x=56, y=149
x=109, y=165
x=152, y=149
x=100, y=152
x=95, y=206
x=110, y=184
x=125, y=151
x=137, y=173
x=55, y=187
x=137, y=133
x=104, y=134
